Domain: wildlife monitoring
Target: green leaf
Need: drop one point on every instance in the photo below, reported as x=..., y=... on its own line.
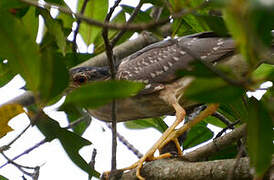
x=75, y=113
x=73, y=59
x=215, y=23
x=264, y=72
x=6, y=73
x=97, y=10
x=250, y=27
x=3, y=178
x=99, y=93
x=212, y=90
x=157, y=123
x=181, y=28
x=215, y=121
x=197, y=135
x=54, y=74
x=20, y=49
x=229, y=152
x=67, y=20
x=11, y=4
x=218, y=3
x=195, y=3
x=60, y=2
x=55, y=29
x=195, y=23
x=71, y=142
x=259, y=136
x=142, y=16
x=235, y=110
x=99, y=41
x=30, y=21
x=269, y=101
x=154, y=2
x=261, y=20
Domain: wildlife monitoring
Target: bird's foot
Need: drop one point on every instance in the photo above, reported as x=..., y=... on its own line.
x=139, y=164
x=149, y=156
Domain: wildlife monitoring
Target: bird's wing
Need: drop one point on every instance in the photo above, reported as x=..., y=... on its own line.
x=156, y=64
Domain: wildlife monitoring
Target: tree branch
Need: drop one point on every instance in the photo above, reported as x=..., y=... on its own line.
x=110, y=57
x=74, y=45
x=25, y=152
x=129, y=27
x=181, y=170
x=132, y=17
x=26, y=99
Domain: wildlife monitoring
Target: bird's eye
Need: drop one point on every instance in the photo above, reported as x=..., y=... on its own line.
x=80, y=79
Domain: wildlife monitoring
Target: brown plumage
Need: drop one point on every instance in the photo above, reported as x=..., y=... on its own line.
x=155, y=66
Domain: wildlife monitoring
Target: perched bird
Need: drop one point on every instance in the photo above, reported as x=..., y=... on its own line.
x=156, y=67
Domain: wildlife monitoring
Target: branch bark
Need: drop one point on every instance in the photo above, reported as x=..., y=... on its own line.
x=25, y=99
x=181, y=170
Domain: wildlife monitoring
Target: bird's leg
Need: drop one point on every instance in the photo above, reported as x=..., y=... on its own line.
x=212, y=108
x=180, y=115
x=149, y=156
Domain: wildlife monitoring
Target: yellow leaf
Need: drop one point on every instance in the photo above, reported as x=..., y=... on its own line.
x=7, y=112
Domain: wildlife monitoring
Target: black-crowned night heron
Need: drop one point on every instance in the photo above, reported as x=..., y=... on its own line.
x=155, y=66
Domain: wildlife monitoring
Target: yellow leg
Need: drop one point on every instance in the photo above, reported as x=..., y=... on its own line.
x=180, y=114
x=211, y=108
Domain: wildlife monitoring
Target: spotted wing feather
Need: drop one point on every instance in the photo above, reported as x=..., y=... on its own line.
x=156, y=65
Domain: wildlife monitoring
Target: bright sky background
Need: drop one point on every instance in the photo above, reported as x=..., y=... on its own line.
x=54, y=162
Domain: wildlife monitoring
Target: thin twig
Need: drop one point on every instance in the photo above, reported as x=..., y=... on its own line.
x=230, y=126
x=132, y=17
x=36, y=173
x=74, y=45
x=112, y=9
x=25, y=152
x=5, y=147
x=130, y=27
x=224, y=120
x=19, y=135
x=92, y=160
x=20, y=167
x=110, y=56
x=76, y=122
x=127, y=144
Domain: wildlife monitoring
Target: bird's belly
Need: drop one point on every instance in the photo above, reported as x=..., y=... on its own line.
x=139, y=107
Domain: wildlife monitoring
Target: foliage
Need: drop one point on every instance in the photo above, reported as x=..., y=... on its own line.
x=45, y=65
x=6, y=113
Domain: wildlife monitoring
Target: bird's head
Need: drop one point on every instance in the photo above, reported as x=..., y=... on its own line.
x=83, y=75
